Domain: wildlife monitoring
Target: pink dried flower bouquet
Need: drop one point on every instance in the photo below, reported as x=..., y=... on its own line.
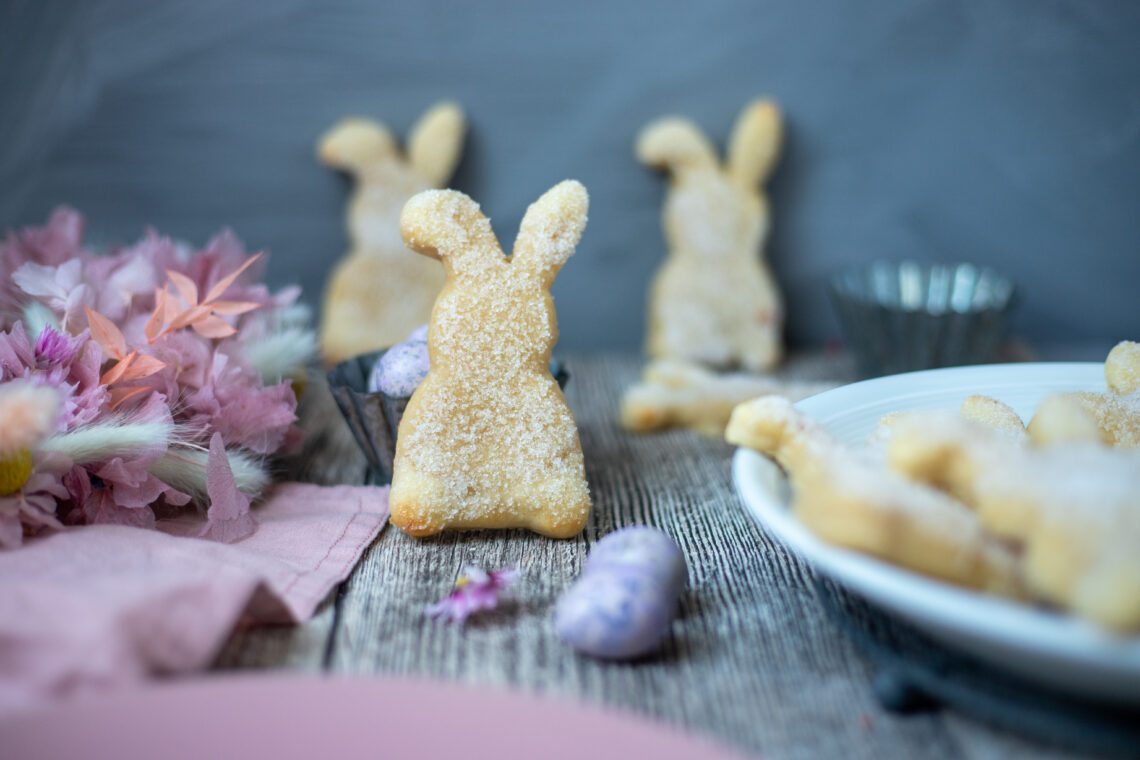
x=147, y=379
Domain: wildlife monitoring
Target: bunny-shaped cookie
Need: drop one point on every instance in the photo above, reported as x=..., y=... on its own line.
x=487, y=440
x=713, y=300
x=377, y=293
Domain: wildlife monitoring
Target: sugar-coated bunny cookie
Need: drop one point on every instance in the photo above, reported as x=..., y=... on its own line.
x=1115, y=413
x=713, y=300
x=378, y=293
x=1064, y=419
x=850, y=500
x=984, y=411
x=1122, y=368
x=677, y=393
x=950, y=453
x=487, y=440
x=994, y=414
x=1074, y=507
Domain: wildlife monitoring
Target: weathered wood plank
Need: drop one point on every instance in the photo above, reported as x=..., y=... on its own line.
x=301, y=647
x=752, y=659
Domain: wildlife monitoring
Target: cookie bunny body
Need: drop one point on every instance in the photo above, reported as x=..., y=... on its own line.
x=378, y=293
x=487, y=440
x=713, y=300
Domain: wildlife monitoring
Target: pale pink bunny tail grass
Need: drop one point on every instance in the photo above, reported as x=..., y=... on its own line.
x=278, y=355
x=28, y=413
x=116, y=437
x=183, y=467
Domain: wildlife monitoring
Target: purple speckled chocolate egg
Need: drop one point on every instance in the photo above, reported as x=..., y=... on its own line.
x=643, y=548
x=420, y=334
x=400, y=370
x=624, y=601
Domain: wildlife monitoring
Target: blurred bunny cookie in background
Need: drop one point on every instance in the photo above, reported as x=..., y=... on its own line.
x=676, y=393
x=378, y=293
x=487, y=439
x=713, y=300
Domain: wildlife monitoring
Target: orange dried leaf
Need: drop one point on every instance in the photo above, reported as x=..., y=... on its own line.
x=119, y=395
x=221, y=285
x=144, y=365
x=233, y=307
x=185, y=286
x=158, y=318
x=190, y=316
x=115, y=374
x=104, y=332
x=213, y=327
x=171, y=310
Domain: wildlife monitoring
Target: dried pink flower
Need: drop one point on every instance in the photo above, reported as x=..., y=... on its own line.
x=123, y=489
x=475, y=590
x=56, y=242
x=228, y=519
x=16, y=355
x=75, y=376
x=60, y=288
x=114, y=353
x=56, y=349
x=233, y=402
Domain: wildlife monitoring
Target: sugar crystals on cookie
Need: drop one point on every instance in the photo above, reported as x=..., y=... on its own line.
x=487, y=439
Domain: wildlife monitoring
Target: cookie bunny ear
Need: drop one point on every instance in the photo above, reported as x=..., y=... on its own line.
x=551, y=228
x=755, y=143
x=447, y=225
x=354, y=144
x=675, y=144
x=435, y=142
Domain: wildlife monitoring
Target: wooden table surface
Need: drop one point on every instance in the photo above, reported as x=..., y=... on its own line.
x=752, y=660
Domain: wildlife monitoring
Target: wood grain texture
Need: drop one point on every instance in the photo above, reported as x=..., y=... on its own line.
x=751, y=660
x=302, y=648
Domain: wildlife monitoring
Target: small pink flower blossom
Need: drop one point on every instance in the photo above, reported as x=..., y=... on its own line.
x=84, y=396
x=17, y=357
x=60, y=288
x=125, y=280
x=50, y=363
x=56, y=349
x=233, y=402
x=475, y=590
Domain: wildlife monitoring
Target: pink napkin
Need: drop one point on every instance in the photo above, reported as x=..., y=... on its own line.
x=98, y=606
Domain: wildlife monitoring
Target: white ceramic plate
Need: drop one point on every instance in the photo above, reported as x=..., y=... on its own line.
x=1047, y=647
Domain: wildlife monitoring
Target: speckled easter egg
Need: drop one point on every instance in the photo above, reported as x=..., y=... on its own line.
x=623, y=603
x=420, y=334
x=643, y=548
x=400, y=370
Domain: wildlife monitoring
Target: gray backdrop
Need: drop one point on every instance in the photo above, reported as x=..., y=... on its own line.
x=1006, y=133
